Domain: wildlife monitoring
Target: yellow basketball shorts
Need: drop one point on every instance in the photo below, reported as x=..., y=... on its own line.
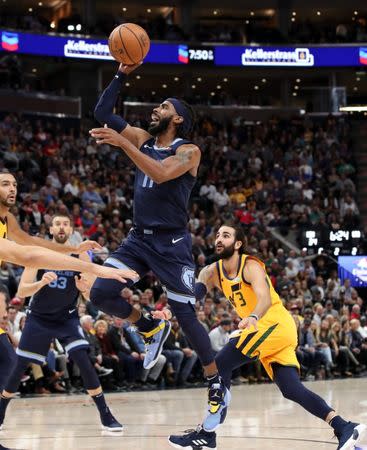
x=274, y=341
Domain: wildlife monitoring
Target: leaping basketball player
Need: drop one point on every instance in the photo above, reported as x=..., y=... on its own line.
x=266, y=332
x=166, y=169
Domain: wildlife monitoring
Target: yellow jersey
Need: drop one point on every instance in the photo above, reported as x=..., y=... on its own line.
x=275, y=339
x=239, y=292
x=3, y=229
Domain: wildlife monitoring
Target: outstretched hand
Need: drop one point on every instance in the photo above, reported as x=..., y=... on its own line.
x=86, y=246
x=116, y=274
x=106, y=136
x=124, y=68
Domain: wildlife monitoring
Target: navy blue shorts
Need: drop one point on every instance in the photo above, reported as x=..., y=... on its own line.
x=39, y=332
x=167, y=254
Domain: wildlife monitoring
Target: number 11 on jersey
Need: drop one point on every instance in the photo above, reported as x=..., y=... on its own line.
x=147, y=182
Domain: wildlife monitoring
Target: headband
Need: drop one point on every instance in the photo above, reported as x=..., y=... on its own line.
x=182, y=111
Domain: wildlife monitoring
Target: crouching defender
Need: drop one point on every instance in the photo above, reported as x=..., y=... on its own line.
x=266, y=332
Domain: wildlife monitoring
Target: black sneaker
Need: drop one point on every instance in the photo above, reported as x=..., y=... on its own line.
x=352, y=435
x=109, y=423
x=194, y=439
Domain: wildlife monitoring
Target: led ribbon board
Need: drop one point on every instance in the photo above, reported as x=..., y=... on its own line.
x=354, y=268
x=169, y=53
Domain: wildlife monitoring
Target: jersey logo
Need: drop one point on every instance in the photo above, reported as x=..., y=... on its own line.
x=187, y=277
x=174, y=241
x=71, y=311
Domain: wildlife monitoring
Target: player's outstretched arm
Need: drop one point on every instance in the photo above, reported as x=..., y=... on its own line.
x=207, y=280
x=28, y=286
x=38, y=257
x=187, y=157
x=21, y=237
x=103, y=111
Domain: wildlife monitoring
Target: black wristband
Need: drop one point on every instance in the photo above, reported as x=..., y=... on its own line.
x=255, y=316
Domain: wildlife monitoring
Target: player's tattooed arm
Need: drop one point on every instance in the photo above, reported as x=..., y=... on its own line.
x=187, y=157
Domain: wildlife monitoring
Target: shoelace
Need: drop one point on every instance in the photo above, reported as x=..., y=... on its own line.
x=193, y=430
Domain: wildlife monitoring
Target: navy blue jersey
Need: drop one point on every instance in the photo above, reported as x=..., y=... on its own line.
x=58, y=298
x=164, y=205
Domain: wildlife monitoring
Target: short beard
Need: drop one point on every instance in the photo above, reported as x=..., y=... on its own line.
x=7, y=204
x=227, y=252
x=61, y=240
x=160, y=127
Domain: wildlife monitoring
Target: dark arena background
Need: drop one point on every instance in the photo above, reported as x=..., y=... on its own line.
x=280, y=93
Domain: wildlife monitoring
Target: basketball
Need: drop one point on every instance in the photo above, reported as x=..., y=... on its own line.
x=129, y=43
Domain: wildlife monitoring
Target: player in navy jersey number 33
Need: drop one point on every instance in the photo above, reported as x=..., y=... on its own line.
x=53, y=314
x=166, y=169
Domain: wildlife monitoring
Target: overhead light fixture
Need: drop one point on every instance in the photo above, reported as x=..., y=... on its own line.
x=252, y=13
x=293, y=19
x=153, y=92
x=164, y=86
x=294, y=13
x=70, y=27
x=138, y=77
x=53, y=25
x=318, y=13
x=264, y=80
x=219, y=86
x=127, y=84
x=215, y=12
x=298, y=80
x=149, y=10
x=356, y=13
x=225, y=80
x=294, y=94
x=124, y=9
x=176, y=79
x=78, y=27
x=212, y=94
x=256, y=87
x=193, y=86
x=198, y=78
x=30, y=9
x=40, y=4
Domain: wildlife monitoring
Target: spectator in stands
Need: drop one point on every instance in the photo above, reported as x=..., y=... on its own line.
x=131, y=361
x=219, y=337
x=95, y=351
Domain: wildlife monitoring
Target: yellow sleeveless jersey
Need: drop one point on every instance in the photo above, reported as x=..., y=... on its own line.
x=239, y=292
x=3, y=229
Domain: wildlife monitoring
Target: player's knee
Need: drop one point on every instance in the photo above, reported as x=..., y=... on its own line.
x=101, y=291
x=97, y=296
x=290, y=392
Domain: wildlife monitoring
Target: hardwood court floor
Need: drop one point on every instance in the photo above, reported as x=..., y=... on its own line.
x=259, y=418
